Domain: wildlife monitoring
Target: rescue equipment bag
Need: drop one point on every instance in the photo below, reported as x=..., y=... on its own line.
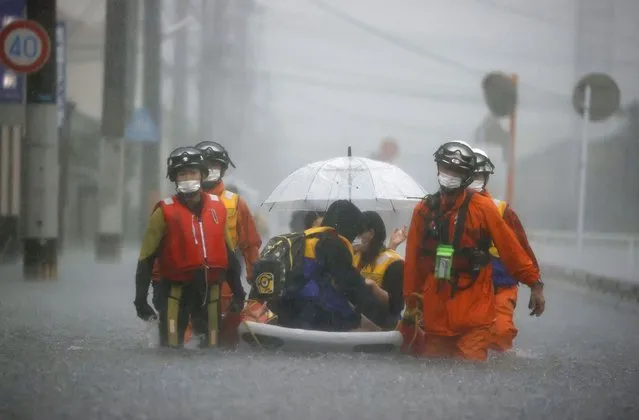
x=279, y=267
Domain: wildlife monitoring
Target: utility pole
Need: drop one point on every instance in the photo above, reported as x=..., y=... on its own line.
x=220, y=60
x=179, y=126
x=12, y=124
x=111, y=190
x=133, y=99
x=151, y=99
x=42, y=159
x=210, y=25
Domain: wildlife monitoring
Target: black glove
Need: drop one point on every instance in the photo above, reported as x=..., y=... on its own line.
x=144, y=310
x=237, y=304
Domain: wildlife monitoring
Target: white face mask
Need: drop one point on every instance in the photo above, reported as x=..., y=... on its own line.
x=477, y=185
x=449, y=181
x=357, y=241
x=214, y=175
x=188, y=187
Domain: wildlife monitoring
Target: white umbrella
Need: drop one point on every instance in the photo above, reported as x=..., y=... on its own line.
x=370, y=184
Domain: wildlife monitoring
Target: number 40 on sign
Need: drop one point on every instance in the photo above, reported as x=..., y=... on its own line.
x=26, y=46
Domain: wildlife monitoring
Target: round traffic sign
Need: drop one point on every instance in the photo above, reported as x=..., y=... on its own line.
x=500, y=93
x=24, y=46
x=605, y=96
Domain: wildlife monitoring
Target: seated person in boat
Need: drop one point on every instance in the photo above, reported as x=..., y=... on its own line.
x=381, y=267
x=327, y=293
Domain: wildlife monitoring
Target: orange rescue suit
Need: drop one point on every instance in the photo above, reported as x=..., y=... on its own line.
x=504, y=330
x=243, y=234
x=245, y=237
x=192, y=243
x=459, y=324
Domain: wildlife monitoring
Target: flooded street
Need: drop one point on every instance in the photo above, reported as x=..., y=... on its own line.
x=73, y=348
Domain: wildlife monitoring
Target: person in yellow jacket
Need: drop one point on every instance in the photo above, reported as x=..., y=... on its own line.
x=242, y=229
x=381, y=267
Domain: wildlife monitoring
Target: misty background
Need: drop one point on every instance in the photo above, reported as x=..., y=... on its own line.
x=295, y=81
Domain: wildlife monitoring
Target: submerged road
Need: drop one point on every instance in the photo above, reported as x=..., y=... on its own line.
x=73, y=349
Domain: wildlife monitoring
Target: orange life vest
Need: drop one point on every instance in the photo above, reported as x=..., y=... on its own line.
x=191, y=243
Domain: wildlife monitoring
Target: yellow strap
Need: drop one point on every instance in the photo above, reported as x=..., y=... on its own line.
x=173, y=309
x=501, y=208
x=213, y=310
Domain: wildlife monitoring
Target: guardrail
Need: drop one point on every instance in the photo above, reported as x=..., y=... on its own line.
x=600, y=251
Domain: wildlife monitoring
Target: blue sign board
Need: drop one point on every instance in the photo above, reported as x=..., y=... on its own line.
x=11, y=84
x=142, y=128
x=61, y=69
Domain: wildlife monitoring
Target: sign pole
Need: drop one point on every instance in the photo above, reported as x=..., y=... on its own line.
x=582, y=168
x=510, y=180
x=63, y=127
x=152, y=89
x=34, y=53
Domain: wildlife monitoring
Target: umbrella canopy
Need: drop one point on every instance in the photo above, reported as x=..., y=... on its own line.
x=369, y=184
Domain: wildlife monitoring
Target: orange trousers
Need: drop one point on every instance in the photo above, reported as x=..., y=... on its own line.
x=503, y=330
x=471, y=345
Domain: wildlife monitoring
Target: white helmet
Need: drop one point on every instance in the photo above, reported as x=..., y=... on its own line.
x=484, y=164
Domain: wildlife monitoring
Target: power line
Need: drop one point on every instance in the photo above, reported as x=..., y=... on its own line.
x=369, y=118
x=519, y=12
x=521, y=56
x=372, y=89
x=422, y=52
x=347, y=86
x=543, y=19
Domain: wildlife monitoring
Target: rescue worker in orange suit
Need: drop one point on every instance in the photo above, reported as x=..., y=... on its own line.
x=504, y=331
x=188, y=234
x=381, y=267
x=242, y=229
x=448, y=267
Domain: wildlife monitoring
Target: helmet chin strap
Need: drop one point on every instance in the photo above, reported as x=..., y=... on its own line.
x=450, y=191
x=210, y=184
x=189, y=194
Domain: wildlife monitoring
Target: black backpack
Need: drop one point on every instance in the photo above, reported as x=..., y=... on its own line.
x=280, y=266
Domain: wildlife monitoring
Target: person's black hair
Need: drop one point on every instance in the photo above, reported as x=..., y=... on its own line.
x=297, y=222
x=311, y=217
x=345, y=218
x=372, y=220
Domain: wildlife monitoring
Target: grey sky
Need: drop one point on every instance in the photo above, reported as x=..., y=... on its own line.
x=414, y=98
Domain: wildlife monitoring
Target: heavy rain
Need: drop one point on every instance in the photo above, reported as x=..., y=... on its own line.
x=309, y=103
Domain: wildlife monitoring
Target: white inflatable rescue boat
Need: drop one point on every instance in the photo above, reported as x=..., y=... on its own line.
x=275, y=337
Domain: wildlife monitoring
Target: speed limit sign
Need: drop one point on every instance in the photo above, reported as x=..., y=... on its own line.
x=25, y=46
